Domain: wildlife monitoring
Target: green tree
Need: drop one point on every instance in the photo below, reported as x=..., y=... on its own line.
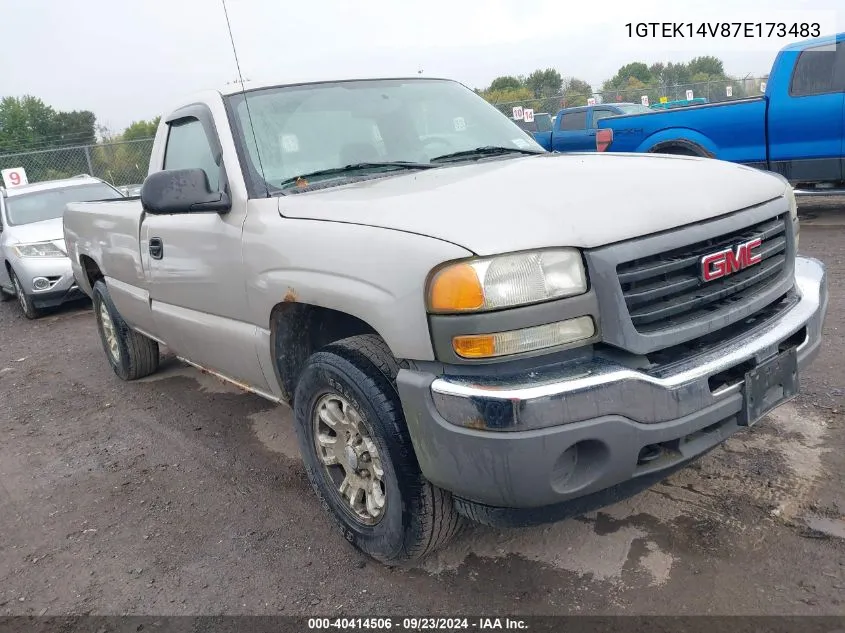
x=576, y=92
x=505, y=82
x=634, y=70
x=141, y=130
x=544, y=83
x=707, y=65
x=27, y=123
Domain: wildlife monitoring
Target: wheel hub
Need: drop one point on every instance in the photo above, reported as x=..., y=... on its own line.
x=350, y=458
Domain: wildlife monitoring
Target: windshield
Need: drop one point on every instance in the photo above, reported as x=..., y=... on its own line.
x=308, y=128
x=50, y=204
x=634, y=108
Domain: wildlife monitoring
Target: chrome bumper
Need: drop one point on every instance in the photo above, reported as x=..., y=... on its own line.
x=602, y=387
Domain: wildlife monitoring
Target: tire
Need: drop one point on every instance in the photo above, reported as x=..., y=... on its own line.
x=24, y=300
x=416, y=517
x=131, y=355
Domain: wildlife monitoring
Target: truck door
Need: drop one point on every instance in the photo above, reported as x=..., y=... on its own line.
x=194, y=263
x=571, y=133
x=806, y=118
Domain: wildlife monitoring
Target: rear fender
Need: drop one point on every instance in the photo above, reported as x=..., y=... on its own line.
x=682, y=136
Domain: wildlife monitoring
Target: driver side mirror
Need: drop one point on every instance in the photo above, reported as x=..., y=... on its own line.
x=182, y=191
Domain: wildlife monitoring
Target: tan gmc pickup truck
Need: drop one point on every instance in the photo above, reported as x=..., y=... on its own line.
x=455, y=342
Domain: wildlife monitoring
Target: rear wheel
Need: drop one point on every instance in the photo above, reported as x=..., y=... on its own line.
x=359, y=457
x=25, y=301
x=131, y=355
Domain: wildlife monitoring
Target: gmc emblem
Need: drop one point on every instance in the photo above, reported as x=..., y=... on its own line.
x=727, y=262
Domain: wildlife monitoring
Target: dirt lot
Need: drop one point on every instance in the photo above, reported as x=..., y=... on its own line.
x=181, y=495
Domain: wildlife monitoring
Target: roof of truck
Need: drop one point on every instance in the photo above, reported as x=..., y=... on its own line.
x=82, y=179
x=234, y=87
x=819, y=41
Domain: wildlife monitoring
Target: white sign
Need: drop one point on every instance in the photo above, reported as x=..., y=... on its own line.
x=591, y=101
x=729, y=91
x=528, y=115
x=644, y=100
x=517, y=113
x=459, y=123
x=762, y=86
x=14, y=177
x=689, y=95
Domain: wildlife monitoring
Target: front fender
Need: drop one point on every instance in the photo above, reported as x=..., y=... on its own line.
x=374, y=274
x=682, y=135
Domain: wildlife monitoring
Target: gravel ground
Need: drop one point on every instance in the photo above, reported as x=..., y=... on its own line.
x=181, y=495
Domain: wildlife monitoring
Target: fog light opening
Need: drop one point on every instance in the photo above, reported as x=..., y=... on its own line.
x=579, y=466
x=649, y=453
x=40, y=283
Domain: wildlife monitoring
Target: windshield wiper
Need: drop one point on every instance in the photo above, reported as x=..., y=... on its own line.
x=487, y=150
x=354, y=167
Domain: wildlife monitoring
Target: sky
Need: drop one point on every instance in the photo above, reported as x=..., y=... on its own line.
x=126, y=60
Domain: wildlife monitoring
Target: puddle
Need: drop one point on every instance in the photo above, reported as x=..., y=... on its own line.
x=827, y=526
x=570, y=545
x=274, y=428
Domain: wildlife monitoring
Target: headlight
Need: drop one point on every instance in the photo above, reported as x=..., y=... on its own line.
x=492, y=283
x=38, y=249
x=793, y=212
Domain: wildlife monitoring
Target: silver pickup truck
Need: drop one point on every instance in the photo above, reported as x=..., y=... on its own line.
x=455, y=340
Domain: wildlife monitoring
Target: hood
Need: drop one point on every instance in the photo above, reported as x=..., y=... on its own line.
x=581, y=200
x=45, y=231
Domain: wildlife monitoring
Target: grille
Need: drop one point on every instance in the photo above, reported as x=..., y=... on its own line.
x=666, y=290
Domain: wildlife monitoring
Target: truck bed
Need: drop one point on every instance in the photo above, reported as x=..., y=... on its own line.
x=109, y=233
x=734, y=131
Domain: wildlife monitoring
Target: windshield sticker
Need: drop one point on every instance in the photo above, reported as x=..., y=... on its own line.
x=290, y=143
x=460, y=123
x=521, y=143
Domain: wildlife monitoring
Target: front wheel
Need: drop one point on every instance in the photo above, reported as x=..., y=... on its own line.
x=131, y=355
x=25, y=301
x=359, y=457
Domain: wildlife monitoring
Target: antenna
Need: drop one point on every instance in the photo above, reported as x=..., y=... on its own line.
x=246, y=101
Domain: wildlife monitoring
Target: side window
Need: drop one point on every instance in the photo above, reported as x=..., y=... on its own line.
x=188, y=148
x=598, y=115
x=814, y=72
x=574, y=121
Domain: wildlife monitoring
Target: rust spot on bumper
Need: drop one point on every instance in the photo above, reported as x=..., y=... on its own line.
x=290, y=296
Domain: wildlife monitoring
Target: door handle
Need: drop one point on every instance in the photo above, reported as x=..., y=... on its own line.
x=156, y=248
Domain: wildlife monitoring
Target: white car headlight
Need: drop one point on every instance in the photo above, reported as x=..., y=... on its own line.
x=505, y=281
x=38, y=249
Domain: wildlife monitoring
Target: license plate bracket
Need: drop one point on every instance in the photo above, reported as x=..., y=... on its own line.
x=770, y=384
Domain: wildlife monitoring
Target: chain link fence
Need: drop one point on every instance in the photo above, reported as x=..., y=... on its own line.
x=713, y=91
x=119, y=163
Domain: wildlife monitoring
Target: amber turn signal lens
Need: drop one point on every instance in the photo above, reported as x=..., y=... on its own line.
x=525, y=340
x=483, y=346
x=455, y=289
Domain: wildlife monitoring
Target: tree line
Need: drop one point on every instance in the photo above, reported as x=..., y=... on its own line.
x=51, y=143
x=547, y=90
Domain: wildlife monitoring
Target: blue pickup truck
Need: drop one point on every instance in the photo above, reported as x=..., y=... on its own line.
x=796, y=129
x=574, y=129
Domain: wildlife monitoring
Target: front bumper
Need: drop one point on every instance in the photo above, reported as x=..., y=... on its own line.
x=57, y=270
x=582, y=430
